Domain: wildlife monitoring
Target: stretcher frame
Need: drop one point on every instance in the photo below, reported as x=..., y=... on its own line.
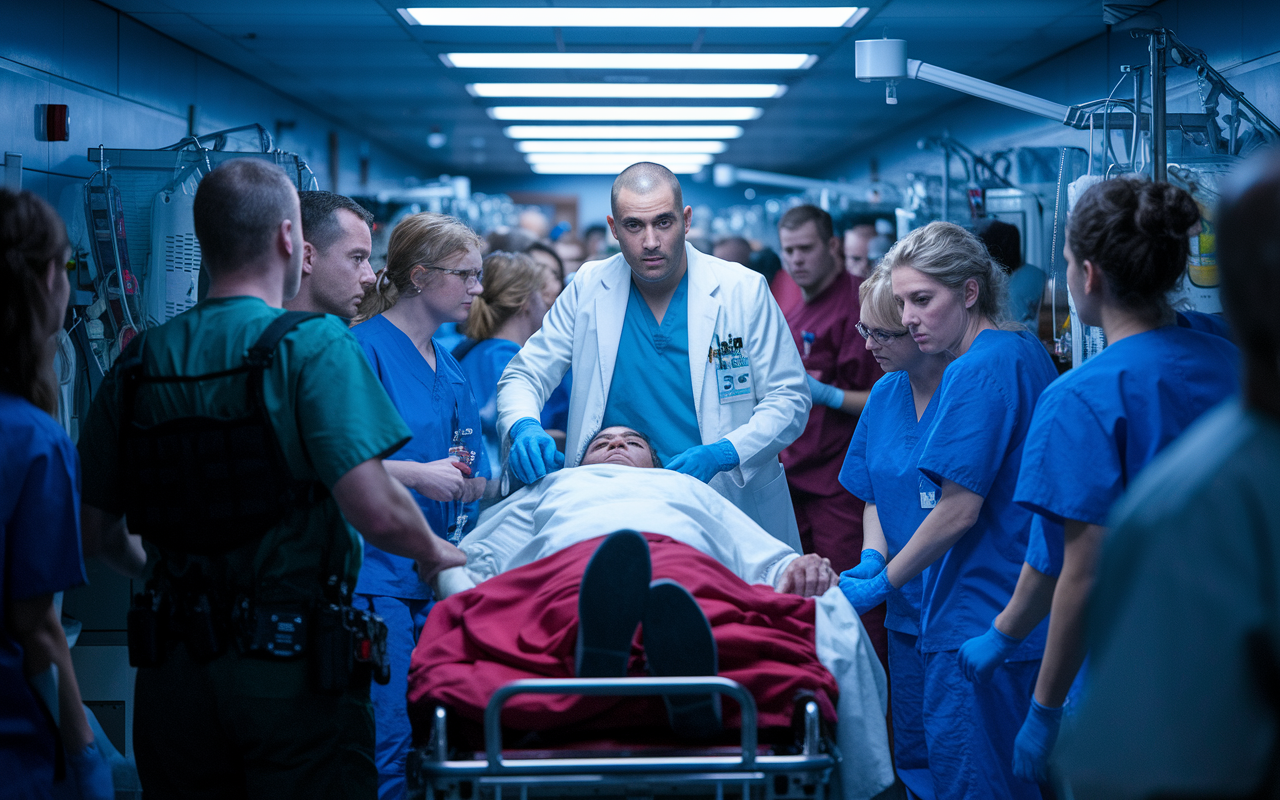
x=751, y=773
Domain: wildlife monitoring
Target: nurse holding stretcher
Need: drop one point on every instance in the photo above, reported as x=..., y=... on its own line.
x=971, y=543
x=1099, y=425
x=880, y=469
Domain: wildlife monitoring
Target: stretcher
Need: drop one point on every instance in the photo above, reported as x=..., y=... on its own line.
x=800, y=768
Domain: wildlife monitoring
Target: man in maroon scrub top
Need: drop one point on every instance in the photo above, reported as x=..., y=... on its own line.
x=841, y=371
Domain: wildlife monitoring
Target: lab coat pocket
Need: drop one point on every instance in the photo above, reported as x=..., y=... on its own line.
x=773, y=507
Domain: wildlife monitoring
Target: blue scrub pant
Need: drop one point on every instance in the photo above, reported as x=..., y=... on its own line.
x=969, y=728
x=393, y=734
x=906, y=690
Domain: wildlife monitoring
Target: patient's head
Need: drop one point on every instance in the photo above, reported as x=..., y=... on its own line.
x=621, y=445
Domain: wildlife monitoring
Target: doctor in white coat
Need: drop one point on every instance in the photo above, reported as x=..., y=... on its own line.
x=746, y=398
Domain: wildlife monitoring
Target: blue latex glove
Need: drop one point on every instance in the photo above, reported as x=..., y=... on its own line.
x=825, y=394
x=705, y=461
x=980, y=656
x=533, y=452
x=1035, y=742
x=871, y=565
x=865, y=593
x=90, y=773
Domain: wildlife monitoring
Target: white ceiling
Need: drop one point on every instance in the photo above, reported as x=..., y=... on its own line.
x=359, y=60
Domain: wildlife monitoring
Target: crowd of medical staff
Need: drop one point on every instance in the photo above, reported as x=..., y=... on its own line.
x=893, y=412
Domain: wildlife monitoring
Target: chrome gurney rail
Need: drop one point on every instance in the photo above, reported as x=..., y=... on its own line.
x=745, y=772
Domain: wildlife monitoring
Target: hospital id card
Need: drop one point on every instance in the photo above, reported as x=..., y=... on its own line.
x=733, y=369
x=734, y=383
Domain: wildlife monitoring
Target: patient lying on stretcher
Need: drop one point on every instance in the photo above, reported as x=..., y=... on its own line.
x=513, y=611
x=610, y=491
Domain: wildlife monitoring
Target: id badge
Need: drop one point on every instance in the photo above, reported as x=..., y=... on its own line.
x=733, y=383
x=733, y=369
x=928, y=493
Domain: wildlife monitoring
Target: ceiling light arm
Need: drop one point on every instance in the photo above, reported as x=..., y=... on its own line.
x=921, y=71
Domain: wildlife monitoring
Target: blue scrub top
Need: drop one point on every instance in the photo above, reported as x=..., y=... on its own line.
x=39, y=555
x=1205, y=323
x=433, y=404
x=652, y=389
x=1099, y=425
x=482, y=366
x=880, y=468
x=985, y=403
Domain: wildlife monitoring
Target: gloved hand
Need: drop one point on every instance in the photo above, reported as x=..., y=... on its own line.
x=871, y=565
x=1035, y=742
x=865, y=593
x=533, y=451
x=90, y=773
x=825, y=394
x=980, y=656
x=704, y=461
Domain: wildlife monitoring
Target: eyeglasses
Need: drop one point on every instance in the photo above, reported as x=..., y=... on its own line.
x=469, y=276
x=881, y=335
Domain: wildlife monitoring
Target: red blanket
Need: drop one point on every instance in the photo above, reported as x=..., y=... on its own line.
x=524, y=624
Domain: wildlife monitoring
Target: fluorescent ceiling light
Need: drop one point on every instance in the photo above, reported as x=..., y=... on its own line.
x=811, y=17
x=606, y=169
x=730, y=91
x=614, y=158
x=622, y=131
x=646, y=61
x=626, y=113
x=660, y=146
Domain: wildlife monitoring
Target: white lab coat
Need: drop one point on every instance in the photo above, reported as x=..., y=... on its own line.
x=583, y=329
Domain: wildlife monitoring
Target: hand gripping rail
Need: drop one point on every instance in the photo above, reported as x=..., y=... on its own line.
x=747, y=773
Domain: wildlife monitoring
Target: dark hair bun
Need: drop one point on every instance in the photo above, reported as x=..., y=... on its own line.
x=1135, y=231
x=1165, y=210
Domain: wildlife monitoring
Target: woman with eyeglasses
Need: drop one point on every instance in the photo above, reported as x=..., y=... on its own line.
x=433, y=274
x=971, y=542
x=880, y=469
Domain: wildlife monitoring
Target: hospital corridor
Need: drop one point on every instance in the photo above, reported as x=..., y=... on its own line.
x=638, y=399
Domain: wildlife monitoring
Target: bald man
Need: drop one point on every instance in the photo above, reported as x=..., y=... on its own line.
x=663, y=338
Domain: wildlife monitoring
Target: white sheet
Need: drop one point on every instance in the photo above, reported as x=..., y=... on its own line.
x=573, y=505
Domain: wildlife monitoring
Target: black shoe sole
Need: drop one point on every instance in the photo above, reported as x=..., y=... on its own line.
x=678, y=643
x=611, y=602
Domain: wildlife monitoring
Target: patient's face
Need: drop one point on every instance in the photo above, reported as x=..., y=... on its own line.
x=619, y=445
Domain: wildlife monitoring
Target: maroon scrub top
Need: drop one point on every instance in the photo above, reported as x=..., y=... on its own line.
x=837, y=356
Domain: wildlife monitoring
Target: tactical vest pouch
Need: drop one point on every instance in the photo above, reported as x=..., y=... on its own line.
x=205, y=485
x=276, y=632
x=349, y=648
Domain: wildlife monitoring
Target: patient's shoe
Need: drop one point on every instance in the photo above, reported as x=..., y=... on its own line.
x=611, y=601
x=678, y=643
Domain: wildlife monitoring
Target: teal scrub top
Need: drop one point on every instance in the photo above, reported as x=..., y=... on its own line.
x=652, y=391
x=328, y=410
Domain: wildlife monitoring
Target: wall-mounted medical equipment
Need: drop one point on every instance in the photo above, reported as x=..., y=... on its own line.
x=143, y=265
x=1208, y=135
